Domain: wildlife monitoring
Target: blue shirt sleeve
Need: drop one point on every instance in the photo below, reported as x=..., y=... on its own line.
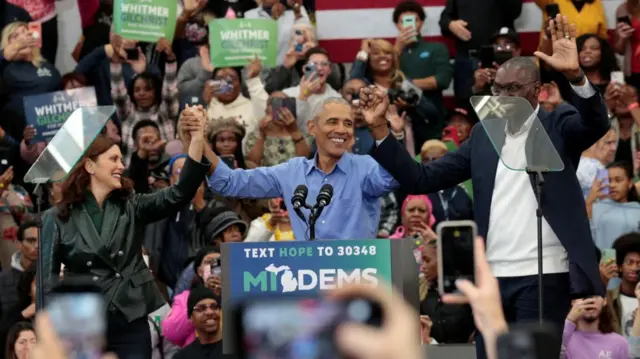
x=261, y=182
x=377, y=182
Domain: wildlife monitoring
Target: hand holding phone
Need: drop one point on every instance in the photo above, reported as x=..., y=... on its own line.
x=617, y=77
x=35, y=28
x=608, y=255
x=603, y=177
x=455, y=253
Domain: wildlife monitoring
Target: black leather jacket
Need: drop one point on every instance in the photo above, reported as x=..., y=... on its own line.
x=113, y=257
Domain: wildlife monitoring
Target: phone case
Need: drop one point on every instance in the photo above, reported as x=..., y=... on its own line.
x=603, y=175
x=608, y=254
x=441, y=225
x=35, y=28
x=617, y=77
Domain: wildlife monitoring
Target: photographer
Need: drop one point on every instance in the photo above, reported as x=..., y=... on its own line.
x=506, y=44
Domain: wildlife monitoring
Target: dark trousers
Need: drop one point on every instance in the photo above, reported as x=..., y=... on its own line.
x=520, y=302
x=50, y=40
x=128, y=340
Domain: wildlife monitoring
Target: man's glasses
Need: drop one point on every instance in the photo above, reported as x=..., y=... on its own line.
x=512, y=88
x=201, y=308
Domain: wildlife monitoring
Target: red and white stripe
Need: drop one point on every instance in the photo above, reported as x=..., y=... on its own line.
x=343, y=24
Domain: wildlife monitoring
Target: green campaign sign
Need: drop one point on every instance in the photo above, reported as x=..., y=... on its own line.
x=235, y=42
x=145, y=20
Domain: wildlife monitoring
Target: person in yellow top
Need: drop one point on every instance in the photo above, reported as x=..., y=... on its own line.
x=588, y=15
x=272, y=226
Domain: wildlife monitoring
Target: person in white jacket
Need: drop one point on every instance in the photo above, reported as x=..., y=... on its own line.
x=273, y=226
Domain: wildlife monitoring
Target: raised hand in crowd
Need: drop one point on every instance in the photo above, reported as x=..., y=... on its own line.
x=164, y=46
x=205, y=58
x=254, y=68
x=580, y=307
x=264, y=124
x=191, y=7
x=192, y=121
x=596, y=193
x=608, y=270
x=425, y=329
x=309, y=85
x=396, y=339
x=459, y=28
x=483, y=77
x=484, y=298
x=287, y=120
x=407, y=36
x=28, y=134
x=627, y=95
x=624, y=30
x=49, y=345
x=138, y=65
x=565, y=57
x=5, y=179
x=424, y=231
x=149, y=143
x=20, y=48
x=214, y=283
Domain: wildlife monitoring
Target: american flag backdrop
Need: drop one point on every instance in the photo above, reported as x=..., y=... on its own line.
x=343, y=24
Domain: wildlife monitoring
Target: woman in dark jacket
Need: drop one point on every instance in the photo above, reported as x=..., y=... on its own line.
x=91, y=231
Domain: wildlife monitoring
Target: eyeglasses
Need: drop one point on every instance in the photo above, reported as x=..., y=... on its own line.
x=201, y=308
x=512, y=88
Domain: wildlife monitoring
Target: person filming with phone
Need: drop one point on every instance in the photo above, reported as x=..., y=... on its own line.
x=504, y=200
x=612, y=204
x=357, y=182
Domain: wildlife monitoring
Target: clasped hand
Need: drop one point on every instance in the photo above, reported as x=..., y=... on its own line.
x=374, y=103
x=192, y=122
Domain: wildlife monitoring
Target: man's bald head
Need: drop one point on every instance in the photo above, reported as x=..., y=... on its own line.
x=518, y=77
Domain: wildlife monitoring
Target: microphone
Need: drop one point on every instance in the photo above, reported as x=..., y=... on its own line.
x=299, y=197
x=324, y=196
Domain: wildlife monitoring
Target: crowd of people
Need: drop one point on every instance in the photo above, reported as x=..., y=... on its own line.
x=197, y=156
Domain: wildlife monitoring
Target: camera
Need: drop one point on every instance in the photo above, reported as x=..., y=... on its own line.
x=410, y=96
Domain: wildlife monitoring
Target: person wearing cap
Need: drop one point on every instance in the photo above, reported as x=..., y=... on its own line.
x=506, y=44
x=225, y=135
x=176, y=326
x=461, y=120
x=204, y=309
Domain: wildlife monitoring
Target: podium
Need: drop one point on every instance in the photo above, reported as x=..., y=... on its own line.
x=305, y=268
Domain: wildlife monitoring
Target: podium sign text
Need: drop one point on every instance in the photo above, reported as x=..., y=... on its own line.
x=305, y=267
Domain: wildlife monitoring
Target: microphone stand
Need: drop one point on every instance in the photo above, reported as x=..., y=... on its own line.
x=40, y=285
x=536, y=174
x=314, y=214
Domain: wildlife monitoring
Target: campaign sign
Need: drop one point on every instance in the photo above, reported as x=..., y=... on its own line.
x=145, y=20
x=235, y=42
x=48, y=112
x=305, y=267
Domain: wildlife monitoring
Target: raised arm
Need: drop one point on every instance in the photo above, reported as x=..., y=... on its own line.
x=591, y=122
x=170, y=102
x=415, y=178
x=152, y=207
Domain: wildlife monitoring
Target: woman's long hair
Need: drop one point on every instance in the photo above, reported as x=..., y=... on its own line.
x=8, y=30
x=608, y=62
x=12, y=337
x=77, y=183
x=386, y=47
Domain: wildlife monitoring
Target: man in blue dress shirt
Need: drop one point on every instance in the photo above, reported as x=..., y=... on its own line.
x=358, y=181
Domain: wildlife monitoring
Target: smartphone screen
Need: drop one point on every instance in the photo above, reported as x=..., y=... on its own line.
x=409, y=21
x=624, y=19
x=455, y=253
x=603, y=175
x=608, y=254
x=487, y=57
x=132, y=54
x=299, y=328
x=80, y=321
x=35, y=28
x=617, y=77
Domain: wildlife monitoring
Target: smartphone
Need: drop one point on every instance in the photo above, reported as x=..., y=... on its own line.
x=299, y=46
x=617, y=77
x=309, y=70
x=487, y=56
x=455, y=253
x=215, y=269
x=77, y=311
x=552, y=10
x=624, y=19
x=132, y=54
x=603, y=175
x=229, y=161
x=35, y=28
x=409, y=21
x=279, y=103
x=608, y=254
x=501, y=57
x=294, y=328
